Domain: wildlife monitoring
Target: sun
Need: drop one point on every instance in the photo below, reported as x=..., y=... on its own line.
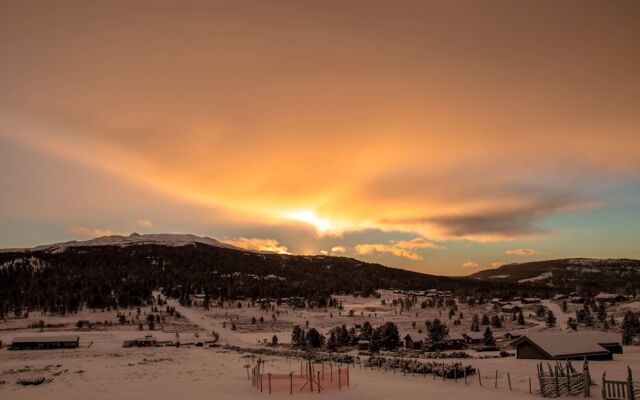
x=322, y=225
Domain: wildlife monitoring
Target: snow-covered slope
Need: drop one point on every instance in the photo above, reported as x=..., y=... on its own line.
x=160, y=239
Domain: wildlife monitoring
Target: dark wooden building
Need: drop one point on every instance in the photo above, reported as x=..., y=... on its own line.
x=411, y=342
x=567, y=346
x=45, y=342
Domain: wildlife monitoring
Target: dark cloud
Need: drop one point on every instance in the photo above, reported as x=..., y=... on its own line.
x=510, y=222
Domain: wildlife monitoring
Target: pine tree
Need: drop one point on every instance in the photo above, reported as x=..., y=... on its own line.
x=475, y=324
x=521, y=318
x=488, y=339
x=485, y=319
x=550, y=319
x=630, y=327
x=437, y=331
x=602, y=312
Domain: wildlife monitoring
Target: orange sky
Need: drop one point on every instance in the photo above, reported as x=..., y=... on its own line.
x=442, y=122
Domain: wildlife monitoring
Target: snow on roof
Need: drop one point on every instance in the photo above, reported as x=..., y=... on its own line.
x=46, y=339
x=413, y=338
x=603, y=295
x=559, y=345
x=474, y=335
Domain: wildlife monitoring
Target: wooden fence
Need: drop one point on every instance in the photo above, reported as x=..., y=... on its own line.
x=620, y=390
x=562, y=380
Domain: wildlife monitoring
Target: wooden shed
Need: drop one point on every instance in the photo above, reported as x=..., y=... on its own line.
x=45, y=342
x=412, y=342
x=567, y=346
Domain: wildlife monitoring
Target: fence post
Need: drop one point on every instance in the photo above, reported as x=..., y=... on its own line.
x=443, y=375
x=318, y=381
x=269, y=378
x=339, y=379
x=630, y=384
x=604, y=387
x=347, y=376
x=529, y=384
x=509, y=379
x=455, y=374
x=290, y=382
x=496, y=383
x=479, y=377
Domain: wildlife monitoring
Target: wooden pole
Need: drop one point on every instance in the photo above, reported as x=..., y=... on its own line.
x=509, y=379
x=443, y=375
x=479, y=377
x=290, y=382
x=331, y=372
x=496, y=378
x=529, y=385
x=261, y=382
x=455, y=374
x=339, y=379
x=269, y=382
x=629, y=384
x=310, y=377
x=347, y=376
x=318, y=381
x=464, y=371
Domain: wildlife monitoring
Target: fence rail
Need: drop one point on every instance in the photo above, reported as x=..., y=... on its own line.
x=564, y=380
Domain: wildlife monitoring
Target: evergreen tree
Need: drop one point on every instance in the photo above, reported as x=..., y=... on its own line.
x=488, y=339
x=485, y=319
x=475, y=324
x=437, y=331
x=314, y=339
x=550, y=320
x=630, y=327
x=389, y=336
x=521, y=318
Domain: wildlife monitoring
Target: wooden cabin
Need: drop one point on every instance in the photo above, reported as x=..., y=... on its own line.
x=363, y=345
x=413, y=342
x=45, y=342
x=473, y=337
x=510, y=308
x=146, y=341
x=567, y=346
x=609, y=298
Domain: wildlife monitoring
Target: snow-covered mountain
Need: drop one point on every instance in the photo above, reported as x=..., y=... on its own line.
x=160, y=239
x=567, y=272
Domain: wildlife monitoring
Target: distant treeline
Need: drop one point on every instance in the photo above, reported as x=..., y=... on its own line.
x=111, y=276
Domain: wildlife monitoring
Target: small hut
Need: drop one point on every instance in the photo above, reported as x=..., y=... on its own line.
x=413, y=342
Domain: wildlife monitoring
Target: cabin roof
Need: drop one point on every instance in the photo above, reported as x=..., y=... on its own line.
x=413, y=338
x=474, y=335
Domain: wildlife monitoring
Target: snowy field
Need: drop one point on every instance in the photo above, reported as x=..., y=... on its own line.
x=102, y=367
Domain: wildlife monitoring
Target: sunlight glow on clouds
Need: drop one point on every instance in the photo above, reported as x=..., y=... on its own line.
x=258, y=244
x=470, y=264
x=89, y=232
x=401, y=248
x=521, y=252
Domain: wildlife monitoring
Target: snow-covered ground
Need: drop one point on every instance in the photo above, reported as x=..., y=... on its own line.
x=102, y=367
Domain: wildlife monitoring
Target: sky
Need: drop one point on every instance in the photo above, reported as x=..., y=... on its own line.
x=442, y=137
